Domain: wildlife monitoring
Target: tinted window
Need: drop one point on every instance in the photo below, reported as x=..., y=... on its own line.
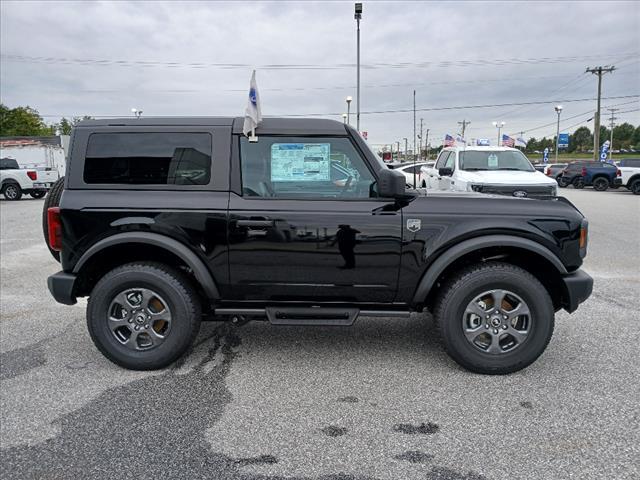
x=440, y=163
x=297, y=167
x=148, y=158
x=630, y=162
x=8, y=163
x=494, y=160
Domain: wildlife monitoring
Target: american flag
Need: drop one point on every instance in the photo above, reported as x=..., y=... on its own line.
x=449, y=141
x=507, y=141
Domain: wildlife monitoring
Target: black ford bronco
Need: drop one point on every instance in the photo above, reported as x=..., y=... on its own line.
x=164, y=222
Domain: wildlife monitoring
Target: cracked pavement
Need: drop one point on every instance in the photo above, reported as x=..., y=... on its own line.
x=379, y=400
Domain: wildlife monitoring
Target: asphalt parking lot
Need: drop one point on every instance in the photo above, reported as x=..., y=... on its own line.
x=380, y=400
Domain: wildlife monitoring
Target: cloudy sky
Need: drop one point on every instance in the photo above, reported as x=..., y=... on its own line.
x=179, y=58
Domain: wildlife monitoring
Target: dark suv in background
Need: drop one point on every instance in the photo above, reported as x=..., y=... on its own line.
x=600, y=175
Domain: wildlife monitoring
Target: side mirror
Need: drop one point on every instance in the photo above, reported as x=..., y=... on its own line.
x=445, y=171
x=391, y=183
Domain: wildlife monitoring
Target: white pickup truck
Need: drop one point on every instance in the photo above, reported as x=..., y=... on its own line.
x=493, y=170
x=16, y=181
x=630, y=171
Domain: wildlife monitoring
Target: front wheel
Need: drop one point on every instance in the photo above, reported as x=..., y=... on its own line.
x=143, y=316
x=600, y=184
x=578, y=183
x=494, y=318
x=562, y=182
x=635, y=187
x=38, y=193
x=12, y=192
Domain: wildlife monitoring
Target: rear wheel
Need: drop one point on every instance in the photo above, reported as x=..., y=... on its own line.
x=562, y=182
x=600, y=184
x=143, y=316
x=12, y=191
x=52, y=200
x=578, y=182
x=495, y=318
x=38, y=193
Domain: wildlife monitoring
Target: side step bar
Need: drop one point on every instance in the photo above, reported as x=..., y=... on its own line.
x=321, y=316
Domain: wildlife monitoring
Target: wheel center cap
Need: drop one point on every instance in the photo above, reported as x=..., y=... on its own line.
x=140, y=318
x=495, y=321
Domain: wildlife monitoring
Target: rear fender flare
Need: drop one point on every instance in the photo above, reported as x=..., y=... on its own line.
x=200, y=270
x=467, y=246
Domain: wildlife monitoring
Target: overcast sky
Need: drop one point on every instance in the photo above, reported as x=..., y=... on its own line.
x=201, y=55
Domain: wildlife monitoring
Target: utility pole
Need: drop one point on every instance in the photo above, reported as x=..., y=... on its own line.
x=420, y=137
x=611, y=125
x=522, y=137
x=426, y=144
x=596, y=119
x=398, y=155
x=464, y=124
x=406, y=148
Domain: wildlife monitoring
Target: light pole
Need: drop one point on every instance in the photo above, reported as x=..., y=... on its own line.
x=136, y=113
x=344, y=117
x=398, y=151
x=349, y=109
x=558, y=111
x=499, y=126
x=358, y=16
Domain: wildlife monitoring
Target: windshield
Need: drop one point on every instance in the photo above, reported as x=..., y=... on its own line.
x=494, y=160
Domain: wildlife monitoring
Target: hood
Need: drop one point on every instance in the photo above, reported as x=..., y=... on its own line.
x=506, y=177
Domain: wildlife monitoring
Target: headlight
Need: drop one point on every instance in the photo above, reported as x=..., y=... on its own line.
x=554, y=191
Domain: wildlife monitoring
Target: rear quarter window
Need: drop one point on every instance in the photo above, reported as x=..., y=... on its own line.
x=148, y=159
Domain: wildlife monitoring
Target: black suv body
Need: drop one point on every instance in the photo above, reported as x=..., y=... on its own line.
x=306, y=226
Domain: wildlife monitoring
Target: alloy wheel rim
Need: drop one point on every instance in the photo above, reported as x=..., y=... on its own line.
x=11, y=192
x=497, y=322
x=139, y=318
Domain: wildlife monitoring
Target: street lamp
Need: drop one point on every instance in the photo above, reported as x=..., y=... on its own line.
x=344, y=117
x=398, y=151
x=358, y=16
x=406, y=148
x=499, y=126
x=558, y=110
x=349, y=99
x=136, y=113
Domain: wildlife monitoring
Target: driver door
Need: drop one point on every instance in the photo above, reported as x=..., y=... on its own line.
x=309, y=226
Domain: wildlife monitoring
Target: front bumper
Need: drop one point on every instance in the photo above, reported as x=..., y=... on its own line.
x=61, y=285
x=578, y=287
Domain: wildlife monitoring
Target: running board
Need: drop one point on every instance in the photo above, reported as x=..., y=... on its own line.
x=312, y=316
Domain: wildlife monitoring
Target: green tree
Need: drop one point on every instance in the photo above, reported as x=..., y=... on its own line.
x=581, y=140
x=622, y=135
x=22, y=121
x=65, y=125
x=635, y=139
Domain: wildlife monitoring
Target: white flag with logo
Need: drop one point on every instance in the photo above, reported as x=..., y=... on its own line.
x=253, y=113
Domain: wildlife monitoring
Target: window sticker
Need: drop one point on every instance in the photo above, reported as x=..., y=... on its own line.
x=492, y=161
x=300, y=162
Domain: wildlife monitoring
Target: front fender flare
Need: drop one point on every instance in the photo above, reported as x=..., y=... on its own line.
x=467, y=246
x=200, y=270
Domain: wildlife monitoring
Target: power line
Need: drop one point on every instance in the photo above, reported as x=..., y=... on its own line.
x=310, y=66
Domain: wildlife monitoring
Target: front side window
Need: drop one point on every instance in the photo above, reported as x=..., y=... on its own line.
x=304, y=167
x=494, y=160
x=148, y=158
x=442, y=159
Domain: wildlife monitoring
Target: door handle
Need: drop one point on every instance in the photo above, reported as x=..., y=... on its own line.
x=254, y=223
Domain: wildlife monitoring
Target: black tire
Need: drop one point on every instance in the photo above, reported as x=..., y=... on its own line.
x=562, y=182
x=424, y=184
x=172, y=286
x=635, y=187
x=600, y=184
x=464, y=288
x=38, y=193
x=52, y=200
x=578, y=183
x=12, y=192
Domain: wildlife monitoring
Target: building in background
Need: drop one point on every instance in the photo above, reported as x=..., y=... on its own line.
x=36, y=152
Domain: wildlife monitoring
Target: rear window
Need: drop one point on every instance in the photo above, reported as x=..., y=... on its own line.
x=148, y=158
x=8, y=164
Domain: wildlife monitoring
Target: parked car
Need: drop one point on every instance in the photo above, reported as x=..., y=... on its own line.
x=164, y=222
x=631, y=178
x=16, y=181
x=408, y=169
x=554, y=170
x=496, y=170
x=600, y=175
x=540, y=167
